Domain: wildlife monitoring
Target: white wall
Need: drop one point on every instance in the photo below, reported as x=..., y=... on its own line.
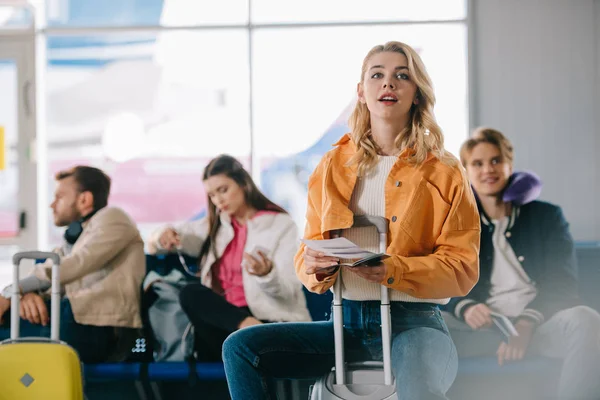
x=535, y=71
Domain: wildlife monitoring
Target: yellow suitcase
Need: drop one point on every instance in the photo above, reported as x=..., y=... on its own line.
x=38, y=368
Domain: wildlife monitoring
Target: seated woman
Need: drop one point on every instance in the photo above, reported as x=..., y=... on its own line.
x=527, y=273
x=246, y=246
x=393, y=165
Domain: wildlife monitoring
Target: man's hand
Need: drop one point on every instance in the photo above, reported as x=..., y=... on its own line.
x=373, y=274
x=517, y=345
x=4, y=307
x=478, y=316
x=33, y=309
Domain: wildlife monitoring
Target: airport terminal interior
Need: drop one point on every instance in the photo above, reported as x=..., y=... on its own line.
x=150, y=92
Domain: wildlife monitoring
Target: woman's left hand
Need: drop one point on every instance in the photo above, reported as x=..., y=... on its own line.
x=258, y=266
x=373, y=274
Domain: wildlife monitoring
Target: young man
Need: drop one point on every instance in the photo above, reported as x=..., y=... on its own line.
x=101, y=270
x=527, y=273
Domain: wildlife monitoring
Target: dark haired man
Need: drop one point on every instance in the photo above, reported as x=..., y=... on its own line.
x=101, y=270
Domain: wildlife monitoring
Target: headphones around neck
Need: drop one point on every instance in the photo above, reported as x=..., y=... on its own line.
x=75, y=228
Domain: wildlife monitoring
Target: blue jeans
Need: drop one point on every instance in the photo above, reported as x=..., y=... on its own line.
x=424, y=359
x=93, y=343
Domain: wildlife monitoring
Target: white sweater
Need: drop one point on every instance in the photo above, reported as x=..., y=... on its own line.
x=368, y=198
x=511, y=289
x=276, y=296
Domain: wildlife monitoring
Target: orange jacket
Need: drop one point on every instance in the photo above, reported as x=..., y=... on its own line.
x=434, y=224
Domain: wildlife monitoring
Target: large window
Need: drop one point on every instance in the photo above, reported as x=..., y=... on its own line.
x=305, y=88
x=9, y=168
x=151, y=111
x=374, y=11
x=132, y=13
x=269, y=82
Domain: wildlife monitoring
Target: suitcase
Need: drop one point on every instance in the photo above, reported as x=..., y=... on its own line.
x=38, y=368
x=360, y=380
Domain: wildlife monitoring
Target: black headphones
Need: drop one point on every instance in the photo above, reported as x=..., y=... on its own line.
x=75, y=228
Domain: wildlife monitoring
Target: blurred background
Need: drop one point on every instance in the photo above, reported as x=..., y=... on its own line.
x=151, y=90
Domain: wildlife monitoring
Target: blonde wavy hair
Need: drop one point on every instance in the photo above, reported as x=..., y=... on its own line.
x=422, y=134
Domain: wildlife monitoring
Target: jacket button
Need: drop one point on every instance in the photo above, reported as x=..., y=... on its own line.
x=394, y=218
x=508, y=234
x=521, y=258
x=398, y=183
x=390, y=281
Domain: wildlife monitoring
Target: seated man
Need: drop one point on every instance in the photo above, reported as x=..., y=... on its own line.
x=101, y=270
x=527, y=273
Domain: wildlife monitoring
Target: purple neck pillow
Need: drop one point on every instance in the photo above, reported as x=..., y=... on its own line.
x=523, y=187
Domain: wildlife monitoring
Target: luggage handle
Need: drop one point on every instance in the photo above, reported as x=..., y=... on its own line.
x=370, y=220
x=381, y=224
x=35, y=255
x=55, y=292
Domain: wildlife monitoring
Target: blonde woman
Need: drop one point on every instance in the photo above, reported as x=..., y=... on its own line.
x=392, y=164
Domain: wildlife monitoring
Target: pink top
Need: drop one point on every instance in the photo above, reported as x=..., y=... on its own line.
x=230, y=265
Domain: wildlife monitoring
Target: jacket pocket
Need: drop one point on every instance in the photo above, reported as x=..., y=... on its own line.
x=425, y=215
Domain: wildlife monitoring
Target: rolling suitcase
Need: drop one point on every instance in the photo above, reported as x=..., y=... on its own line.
x=38, y=368
x=360, y=380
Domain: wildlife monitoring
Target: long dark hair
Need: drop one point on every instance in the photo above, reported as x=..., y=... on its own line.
x=233, y=169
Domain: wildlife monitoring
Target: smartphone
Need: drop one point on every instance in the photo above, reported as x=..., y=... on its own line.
x=256, y=249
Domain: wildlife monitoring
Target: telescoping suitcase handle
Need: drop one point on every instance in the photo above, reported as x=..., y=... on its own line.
x=338, y=319
x=55, y=292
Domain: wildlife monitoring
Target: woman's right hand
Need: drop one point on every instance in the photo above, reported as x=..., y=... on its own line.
x=317, y=262
x=169, y=239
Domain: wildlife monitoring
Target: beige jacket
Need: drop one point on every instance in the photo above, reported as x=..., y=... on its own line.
x=103, y=272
